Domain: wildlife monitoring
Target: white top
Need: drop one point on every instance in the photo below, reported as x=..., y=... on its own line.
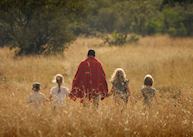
x=58, y=97
x=37, y=99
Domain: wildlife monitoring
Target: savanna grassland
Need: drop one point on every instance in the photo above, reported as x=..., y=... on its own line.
x=168, y=60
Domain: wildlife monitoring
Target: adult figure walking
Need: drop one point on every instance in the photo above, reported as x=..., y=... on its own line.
x=89, y=83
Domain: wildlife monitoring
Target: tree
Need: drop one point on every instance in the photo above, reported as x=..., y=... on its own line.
x=37, y=27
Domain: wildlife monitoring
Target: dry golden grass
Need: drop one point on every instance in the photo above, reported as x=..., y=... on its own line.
x=170, y=61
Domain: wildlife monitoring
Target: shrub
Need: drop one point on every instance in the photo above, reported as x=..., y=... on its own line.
x=120, y=39
x=133, y=38
x=172, y=31
x=154, y=26
x=37, y=27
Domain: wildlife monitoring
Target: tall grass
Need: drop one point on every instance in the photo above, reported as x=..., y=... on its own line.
x=170, y=61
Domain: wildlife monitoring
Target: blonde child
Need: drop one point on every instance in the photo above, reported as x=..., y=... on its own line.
x=148, y=91
x=36, y=98
x=120, y=88
x=59, y=92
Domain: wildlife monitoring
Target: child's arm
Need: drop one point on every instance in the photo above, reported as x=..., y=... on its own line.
x=111, y=92
x=50, y=96
x=126, y=85
x=128, y=91
x=156, y=99
x=29, y=100
x=142, y=92
x=67, y=92
x=45, y=99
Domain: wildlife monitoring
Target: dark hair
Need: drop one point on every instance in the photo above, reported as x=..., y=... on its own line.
x=91, y=52
x=148, y=81
x=36, y=86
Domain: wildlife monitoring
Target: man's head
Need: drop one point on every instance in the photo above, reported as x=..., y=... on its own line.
x=91, y=53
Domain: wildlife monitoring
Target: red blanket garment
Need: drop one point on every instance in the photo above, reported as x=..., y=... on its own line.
x=89, y=80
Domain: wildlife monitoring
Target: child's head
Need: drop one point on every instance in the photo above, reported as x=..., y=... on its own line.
x=36, y=86
x=118, y=75
x=59, y=79
x=148, y=80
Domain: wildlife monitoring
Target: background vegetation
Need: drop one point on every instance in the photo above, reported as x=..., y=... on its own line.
x=49, y=26
x=44, y=26
x=169, y=60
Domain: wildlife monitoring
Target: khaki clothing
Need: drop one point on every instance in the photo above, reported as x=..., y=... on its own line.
x=148, y=94
x=120, y=91
x=36, y=99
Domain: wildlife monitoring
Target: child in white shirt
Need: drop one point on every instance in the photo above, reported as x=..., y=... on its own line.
x=36, y=98
x=59, y=92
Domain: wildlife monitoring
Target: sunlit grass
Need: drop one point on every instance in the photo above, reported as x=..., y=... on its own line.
x=169, y=61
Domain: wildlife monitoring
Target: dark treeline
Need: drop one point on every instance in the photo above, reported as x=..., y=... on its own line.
x=44, y=26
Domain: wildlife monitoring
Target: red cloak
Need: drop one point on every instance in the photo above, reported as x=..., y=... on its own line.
x=89, y=80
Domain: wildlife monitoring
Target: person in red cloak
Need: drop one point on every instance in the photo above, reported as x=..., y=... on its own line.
x=89, y=82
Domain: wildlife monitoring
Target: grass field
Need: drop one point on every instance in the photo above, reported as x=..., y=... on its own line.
x=168, y=60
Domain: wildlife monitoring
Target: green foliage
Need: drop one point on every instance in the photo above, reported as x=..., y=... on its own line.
x=120, y=38
x=172, y=31
x=46, y=26
x=155, y=25
x=175, y=20
x=37, y=27
x=143, y=17
x=133, y=38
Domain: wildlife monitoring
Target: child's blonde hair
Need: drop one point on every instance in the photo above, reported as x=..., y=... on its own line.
x=148, y=80
x=118, y=75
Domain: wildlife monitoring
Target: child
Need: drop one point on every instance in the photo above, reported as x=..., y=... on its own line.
x=59, y=92
x=148, y=91
x=120, y=89
x=36, y=98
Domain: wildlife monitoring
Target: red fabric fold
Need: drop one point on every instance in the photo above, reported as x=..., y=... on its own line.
x=89, y=81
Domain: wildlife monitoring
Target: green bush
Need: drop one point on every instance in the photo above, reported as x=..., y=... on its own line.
x=133, y=38
x=120, y=39
x=154, y=26
x=172, y=31
x=175, y=20
x=182, y=31
x=47, y=26
x=115, y=39
x=37, y=27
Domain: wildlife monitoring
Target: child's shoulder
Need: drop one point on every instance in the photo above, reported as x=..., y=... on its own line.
x=30, y=95
x=41, y=94
x=127, y=81
x=64, y=88
x=152, y=89
x=143, y=88
x=54, y=87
